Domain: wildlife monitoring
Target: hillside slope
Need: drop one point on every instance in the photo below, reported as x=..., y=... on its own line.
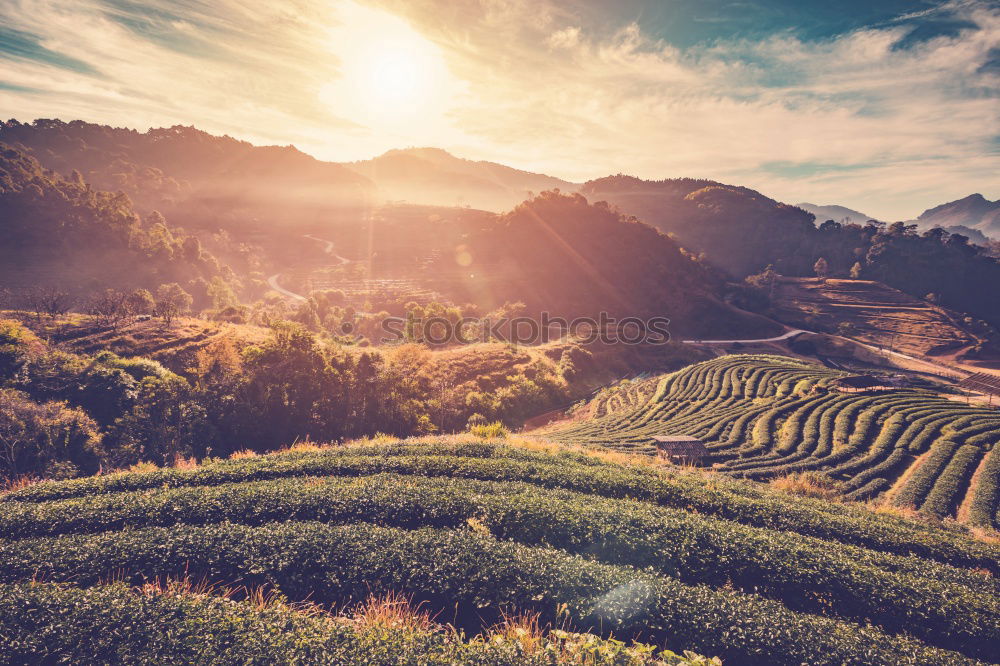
x=562, y=255
x=841, y=214
x=738, y=229
x=875, y=314
x=433, y=176
x=209, y=181
x=477, y=531
x=766, y=416
x=62, y=231
x=974, y=211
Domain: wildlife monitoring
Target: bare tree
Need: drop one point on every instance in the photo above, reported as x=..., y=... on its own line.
x=51, y=301
x=171, y=301
x=109, y=308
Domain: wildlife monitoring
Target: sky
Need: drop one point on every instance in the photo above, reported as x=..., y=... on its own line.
x=888, y=107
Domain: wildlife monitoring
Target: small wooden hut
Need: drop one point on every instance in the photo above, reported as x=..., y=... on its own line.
x=680, y=449
x=864, y=383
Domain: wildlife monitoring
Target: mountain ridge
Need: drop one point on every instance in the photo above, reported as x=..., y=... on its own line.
x=411, y=173
x=834, y=212
x=974, y=211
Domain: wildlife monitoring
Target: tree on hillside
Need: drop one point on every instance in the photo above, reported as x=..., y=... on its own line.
x=48, y=300
x=109, y=308
x=140, y=302
x=48, y=439
x=171, y=301
x=221, y=293
x=821, y=267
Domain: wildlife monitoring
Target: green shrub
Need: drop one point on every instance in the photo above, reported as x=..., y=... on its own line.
x=494, y=430
x=115, y=624
x=474, y=578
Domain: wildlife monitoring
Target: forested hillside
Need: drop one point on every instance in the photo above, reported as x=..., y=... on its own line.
x=560, y=254
x=207, y=181
x=742, y=232
x=62, y=232
x=738, y=229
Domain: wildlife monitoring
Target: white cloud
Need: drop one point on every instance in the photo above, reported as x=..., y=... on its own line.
x=848, y=120
x=566, y=38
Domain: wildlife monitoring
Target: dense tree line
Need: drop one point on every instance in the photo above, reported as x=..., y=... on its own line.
x=65, y=414
x=62, y=231
x=959, y=275
x=741, y=232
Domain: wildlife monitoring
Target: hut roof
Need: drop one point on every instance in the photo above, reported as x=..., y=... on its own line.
x=982, y=382
x=861, y=381
x=681, y=445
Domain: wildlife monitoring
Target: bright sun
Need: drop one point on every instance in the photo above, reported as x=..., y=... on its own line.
x=392, y=77
x=395, y=76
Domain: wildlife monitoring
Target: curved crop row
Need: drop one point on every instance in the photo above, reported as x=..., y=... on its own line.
x=853, y=582
x=764, y=416
x=734, y=501
x=474, y=577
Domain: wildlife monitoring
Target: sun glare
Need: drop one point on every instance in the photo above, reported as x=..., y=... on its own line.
x=395, y=77
x=391, y=75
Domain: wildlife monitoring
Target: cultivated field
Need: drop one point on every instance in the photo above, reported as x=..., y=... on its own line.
x=476, y=531
x=762, y=417
x=877, y=314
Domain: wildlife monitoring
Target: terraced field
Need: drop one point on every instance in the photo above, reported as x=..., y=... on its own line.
x=475, y=531
x=766, y=416
x=879, y=315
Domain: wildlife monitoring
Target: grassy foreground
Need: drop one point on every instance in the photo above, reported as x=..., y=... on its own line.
x=475, y=533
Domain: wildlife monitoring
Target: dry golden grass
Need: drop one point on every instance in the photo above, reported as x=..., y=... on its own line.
x=143, y=467
x=244, y=453
x=478, y=526
x=985, y=534
x=393, y=610
x=17, y=483
x=180, y=462
x=807, y=484
x=524, y=631
x=905, y=512
x=307, y=446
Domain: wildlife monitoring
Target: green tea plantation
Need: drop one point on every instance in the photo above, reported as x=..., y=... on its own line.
x=619, y=557
x=762, y=417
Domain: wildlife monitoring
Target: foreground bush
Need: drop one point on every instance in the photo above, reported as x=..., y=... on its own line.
x=740, y=502
x=115, y=624
x=474, y=579
x=806, y=574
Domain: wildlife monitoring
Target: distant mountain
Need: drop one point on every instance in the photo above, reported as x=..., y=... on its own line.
x=191, y=175
x=974, y=211
x=975, y=236
x=840, y=214
x=738, y=229
x=436, y=177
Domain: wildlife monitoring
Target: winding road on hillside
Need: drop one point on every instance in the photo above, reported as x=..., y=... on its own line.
x=923, y=365
x=784, y=336
x=328, y=248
